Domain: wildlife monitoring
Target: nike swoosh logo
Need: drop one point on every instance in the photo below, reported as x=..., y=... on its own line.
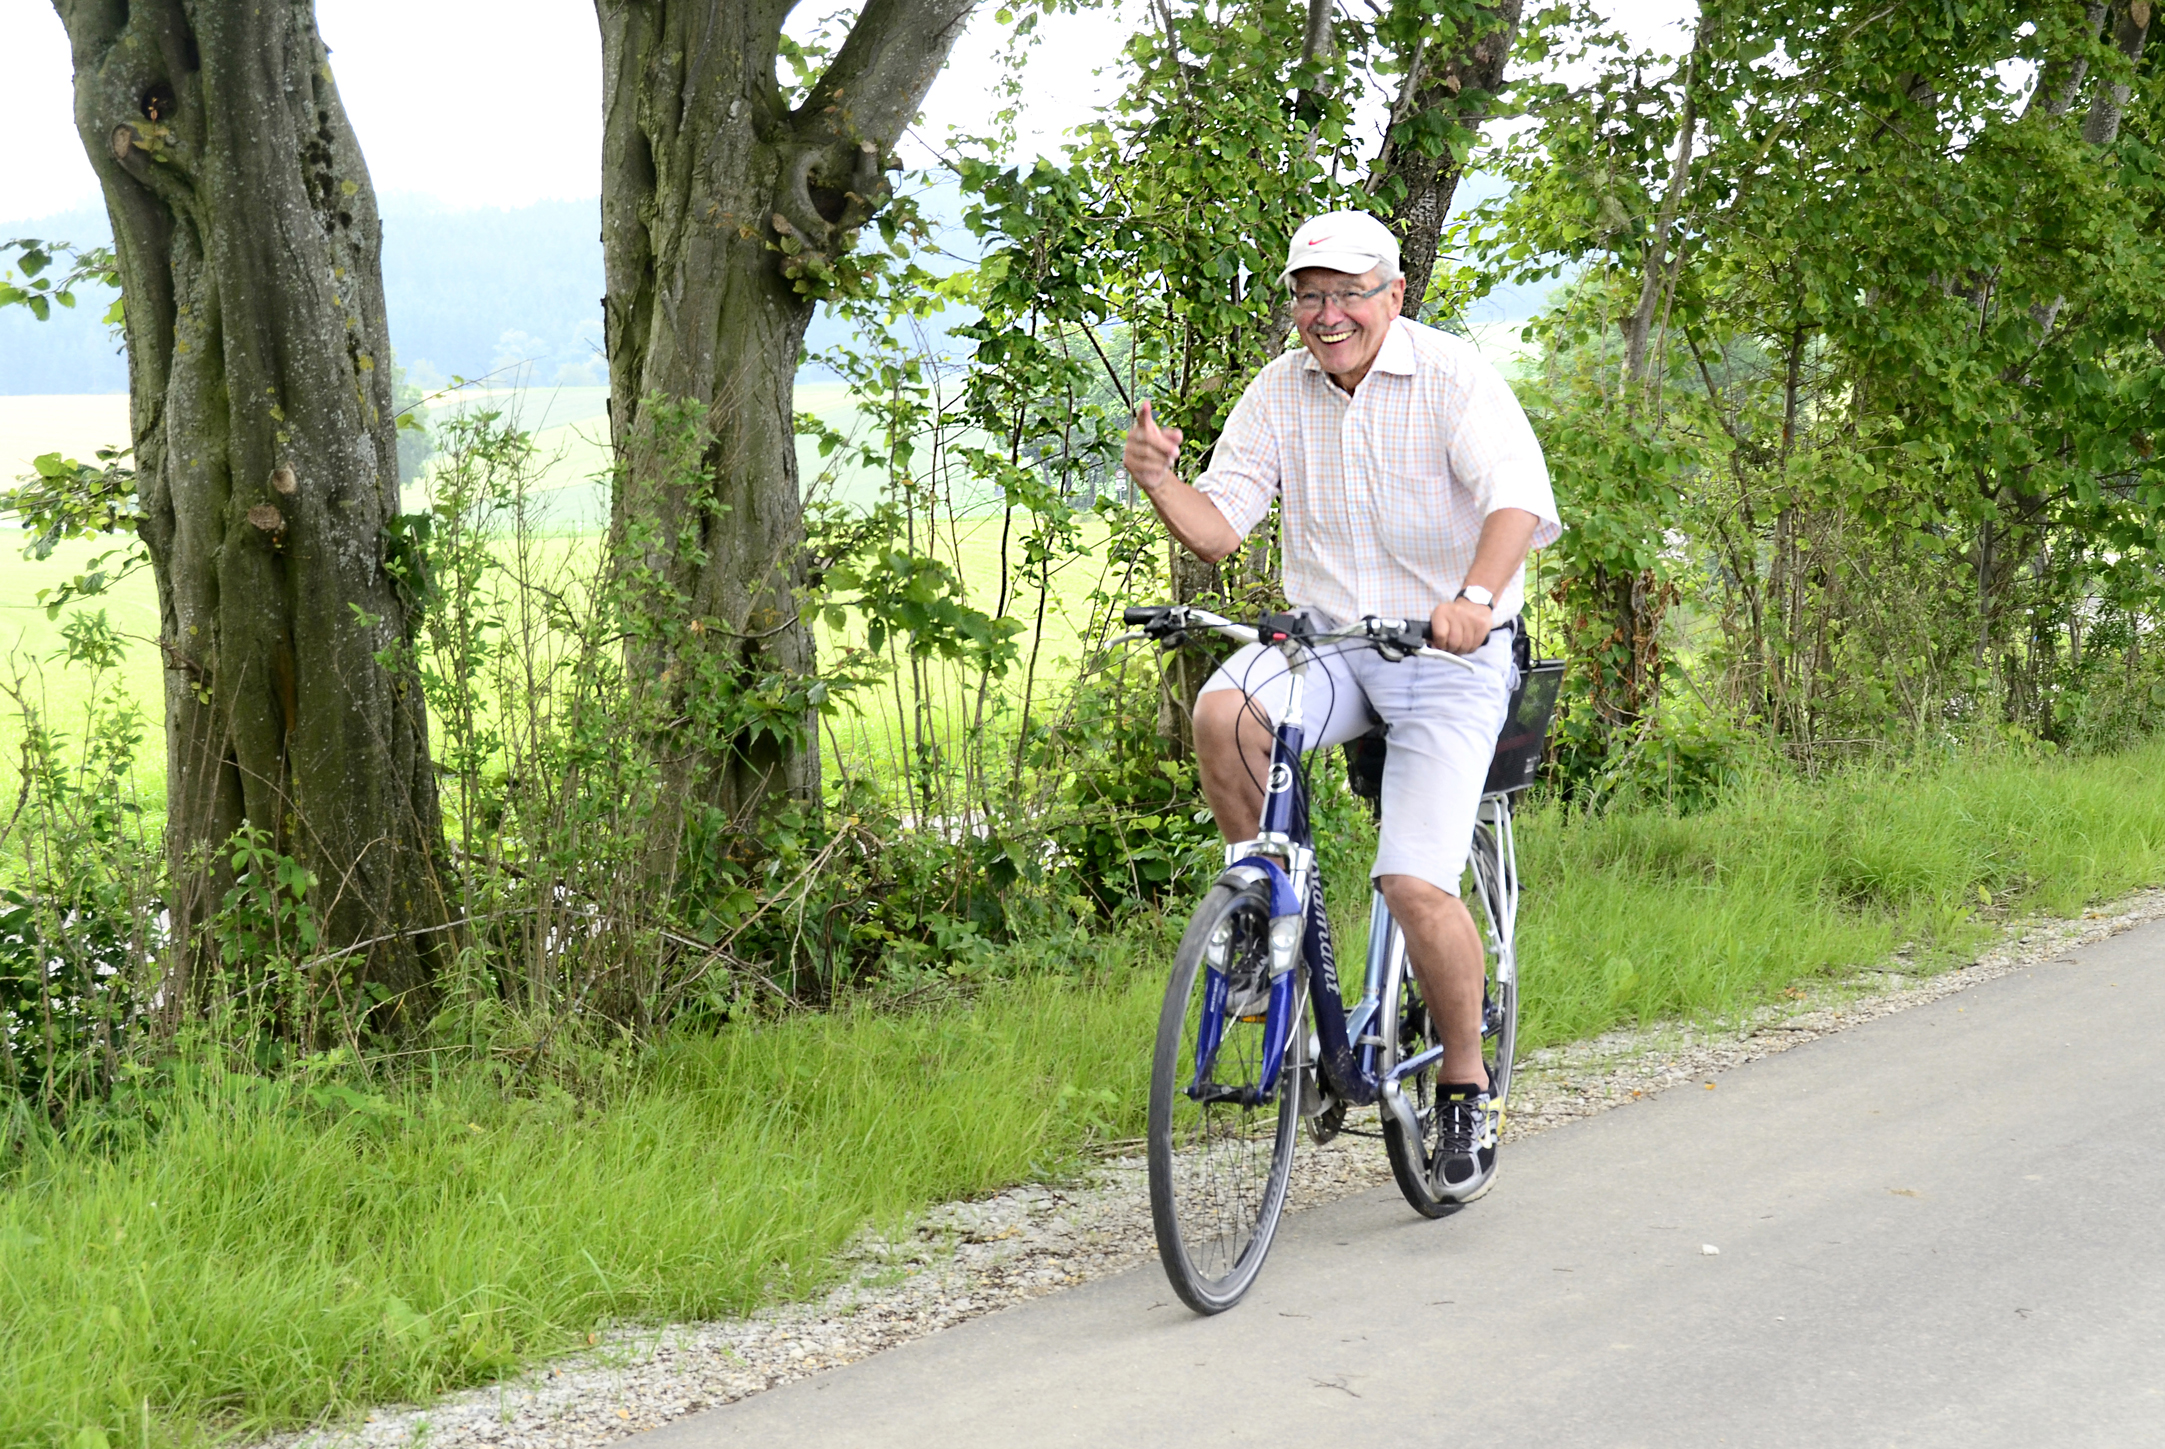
x=1317, y=241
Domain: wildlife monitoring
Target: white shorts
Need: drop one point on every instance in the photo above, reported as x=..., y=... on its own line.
x=1443, y=723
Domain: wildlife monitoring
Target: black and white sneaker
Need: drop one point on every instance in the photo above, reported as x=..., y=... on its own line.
x=1247, y=993
x=1464, y=1163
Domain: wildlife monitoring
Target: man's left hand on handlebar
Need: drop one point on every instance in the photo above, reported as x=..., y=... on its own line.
x=1460, y=626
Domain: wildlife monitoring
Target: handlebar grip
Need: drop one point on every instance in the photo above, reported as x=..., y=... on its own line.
x=1141, y=613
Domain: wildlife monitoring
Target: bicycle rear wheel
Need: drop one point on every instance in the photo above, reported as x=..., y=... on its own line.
x=1496, y=888
x=1219, y=1157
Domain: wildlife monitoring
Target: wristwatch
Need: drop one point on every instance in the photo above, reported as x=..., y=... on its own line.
x=1479, y=595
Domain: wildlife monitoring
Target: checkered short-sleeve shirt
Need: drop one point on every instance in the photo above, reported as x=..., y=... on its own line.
x=1384, y=491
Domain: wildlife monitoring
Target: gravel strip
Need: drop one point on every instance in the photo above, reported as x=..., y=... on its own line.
x=962, y=1260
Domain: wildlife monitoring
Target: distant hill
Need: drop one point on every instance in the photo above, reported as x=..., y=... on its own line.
x=468, y=292
x=514, y=293
x=73, y=353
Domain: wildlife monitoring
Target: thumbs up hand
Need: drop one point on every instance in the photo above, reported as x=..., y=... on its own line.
x=1150, y=449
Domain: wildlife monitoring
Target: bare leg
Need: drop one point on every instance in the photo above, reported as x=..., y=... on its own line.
x=1232, y=746
x=1445, y=951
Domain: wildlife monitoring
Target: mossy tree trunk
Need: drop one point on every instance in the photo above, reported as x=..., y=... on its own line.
x=260, y=388
x=724, y=211
x=1448, y=91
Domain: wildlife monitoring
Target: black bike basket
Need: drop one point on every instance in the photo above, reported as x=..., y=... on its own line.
x=1525, y=727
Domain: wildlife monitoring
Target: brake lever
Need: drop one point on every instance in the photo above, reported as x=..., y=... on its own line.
x=1408, y=641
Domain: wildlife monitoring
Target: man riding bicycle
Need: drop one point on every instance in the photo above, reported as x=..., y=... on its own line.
x=1411, y=486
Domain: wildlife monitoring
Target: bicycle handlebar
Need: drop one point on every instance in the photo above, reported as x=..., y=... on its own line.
x=1395, y=638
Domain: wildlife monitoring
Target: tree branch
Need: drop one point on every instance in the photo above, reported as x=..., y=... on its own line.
x=834, y=164
x=880, y=77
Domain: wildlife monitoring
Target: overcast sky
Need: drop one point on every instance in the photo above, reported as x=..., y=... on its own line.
x=479, y=103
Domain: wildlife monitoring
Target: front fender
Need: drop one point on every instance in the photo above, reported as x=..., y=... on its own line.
x=1250, y=869
x=1278, y=1022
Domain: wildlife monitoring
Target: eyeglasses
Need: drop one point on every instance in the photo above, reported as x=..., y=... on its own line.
x=1307, y=304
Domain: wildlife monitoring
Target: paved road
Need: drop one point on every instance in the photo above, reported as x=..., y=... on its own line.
x=1923, y=1241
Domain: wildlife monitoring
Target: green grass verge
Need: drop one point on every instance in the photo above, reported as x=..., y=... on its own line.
x=1637, y=917
x=268, y=1255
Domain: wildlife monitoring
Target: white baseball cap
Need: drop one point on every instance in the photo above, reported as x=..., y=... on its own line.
x=1341, y=241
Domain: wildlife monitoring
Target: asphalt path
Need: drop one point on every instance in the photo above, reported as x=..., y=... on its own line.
x=1942, y=1227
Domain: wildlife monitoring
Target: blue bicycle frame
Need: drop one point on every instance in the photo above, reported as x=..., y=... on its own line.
x=1351, y=1051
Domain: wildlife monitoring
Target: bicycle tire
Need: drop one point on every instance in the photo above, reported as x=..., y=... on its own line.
x=1215, y=1197
x=1416, y=1033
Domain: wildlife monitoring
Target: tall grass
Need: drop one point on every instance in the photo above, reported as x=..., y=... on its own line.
x=1635, y=917
x=266, y=1254
x=230, y=1254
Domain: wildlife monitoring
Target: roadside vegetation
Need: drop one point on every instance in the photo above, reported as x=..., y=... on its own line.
x=243, y=1250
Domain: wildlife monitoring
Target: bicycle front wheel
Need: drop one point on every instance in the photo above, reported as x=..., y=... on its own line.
x=1220, y=1152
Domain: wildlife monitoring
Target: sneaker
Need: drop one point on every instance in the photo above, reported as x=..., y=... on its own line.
x=1247, y=991
x=1464, y=1164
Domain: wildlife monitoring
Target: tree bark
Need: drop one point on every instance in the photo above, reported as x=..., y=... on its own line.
x=1459, y=91
x=246, y=232
x=2059, y=80
x=722, y=208
x=1317, y=44
x=2057, y=86
x=2130, y=27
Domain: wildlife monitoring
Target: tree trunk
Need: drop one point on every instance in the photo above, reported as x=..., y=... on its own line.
x=1188, y=668
x=2059, y=80
x=2057, y=85
x=2130, y=27
x=1317, y=45
x=1659, y=279
x=724, y=213
x=260, y=388
x=1461, y=89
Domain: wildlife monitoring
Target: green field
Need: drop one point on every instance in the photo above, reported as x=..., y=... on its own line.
x=569, y=428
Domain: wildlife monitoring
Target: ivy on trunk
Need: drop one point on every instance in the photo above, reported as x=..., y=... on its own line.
x=247, y=242
x=727, y=212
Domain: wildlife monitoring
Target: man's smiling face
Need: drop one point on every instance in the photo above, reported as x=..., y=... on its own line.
x=1344, y=337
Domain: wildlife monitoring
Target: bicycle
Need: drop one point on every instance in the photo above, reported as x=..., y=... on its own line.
x=1232, y=1075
